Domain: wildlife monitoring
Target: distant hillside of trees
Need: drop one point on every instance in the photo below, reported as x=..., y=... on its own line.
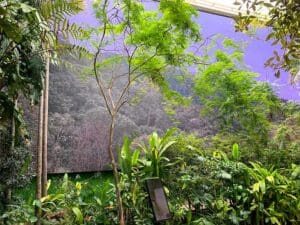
x=78, y=128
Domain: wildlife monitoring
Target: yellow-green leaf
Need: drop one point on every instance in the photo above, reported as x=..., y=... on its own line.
x=78, y=214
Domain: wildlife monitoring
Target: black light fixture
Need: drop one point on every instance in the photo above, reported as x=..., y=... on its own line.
x=158, y=199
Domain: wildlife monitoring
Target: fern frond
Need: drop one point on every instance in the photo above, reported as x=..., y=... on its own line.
x=56, y=13
x=57, y=10
x=65, y=28
x=75, y=50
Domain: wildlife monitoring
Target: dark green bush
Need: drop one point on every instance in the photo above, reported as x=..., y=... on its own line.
x=219, y=191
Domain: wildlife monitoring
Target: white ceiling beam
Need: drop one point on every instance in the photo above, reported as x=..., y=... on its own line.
x=225, y=8
x=215, y=8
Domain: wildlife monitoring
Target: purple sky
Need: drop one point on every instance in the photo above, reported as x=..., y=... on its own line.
x=256, y=53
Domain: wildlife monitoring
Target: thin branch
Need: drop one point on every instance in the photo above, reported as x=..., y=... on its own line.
x=99, y=82
x=142, y=74
x=145, y=62
x=120, y=103
x=124, y=91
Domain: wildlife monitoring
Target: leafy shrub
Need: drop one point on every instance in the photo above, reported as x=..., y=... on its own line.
x=284, y=144
x=134, y=195
x=154, y=162
x=184, y=147
x=71, y=203
x=203, y=187
x=212, y=189
x=231, y=95
x=18, y=213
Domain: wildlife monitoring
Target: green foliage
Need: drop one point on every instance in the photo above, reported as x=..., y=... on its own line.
x=154, y=161
x=220, y=191
x=203, y=187
x=154, y=40
x=232, y=96
x=57, y=10
x=60, y=30
x=135, y=198
x=19, y=213
x=73, y=202
x=21, y=74
x=127, y=158
x=21, y=65
x=268, y=186
x=25, y=33
x=284, y=146
x=283, y=19
x=13, y=166
x=184, y=147
x=235, y=152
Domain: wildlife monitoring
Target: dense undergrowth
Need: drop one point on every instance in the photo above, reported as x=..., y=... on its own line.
x=203, y=186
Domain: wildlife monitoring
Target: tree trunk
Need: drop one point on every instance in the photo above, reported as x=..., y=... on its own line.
x=38, y=191
x=115, y=171
x=45, y=128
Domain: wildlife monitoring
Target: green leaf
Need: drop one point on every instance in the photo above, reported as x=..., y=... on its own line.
x=32, y=219
x=274, y=220
x=225, y=175
x=78, y=186
x=26, y=8
x=262, y=186
x=78, y=214
x=235, y=152
x=65, y=179
x=37, y=203
x=166, y=146
x=255, y=187
x=270, y=179
x=189, y=217
x=52, y=197
x=48, y=184
x=135, y=157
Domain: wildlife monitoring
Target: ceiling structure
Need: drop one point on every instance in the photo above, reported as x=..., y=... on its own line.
x=227, y=8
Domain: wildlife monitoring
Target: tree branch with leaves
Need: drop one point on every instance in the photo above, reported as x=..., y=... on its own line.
x=282, y=16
